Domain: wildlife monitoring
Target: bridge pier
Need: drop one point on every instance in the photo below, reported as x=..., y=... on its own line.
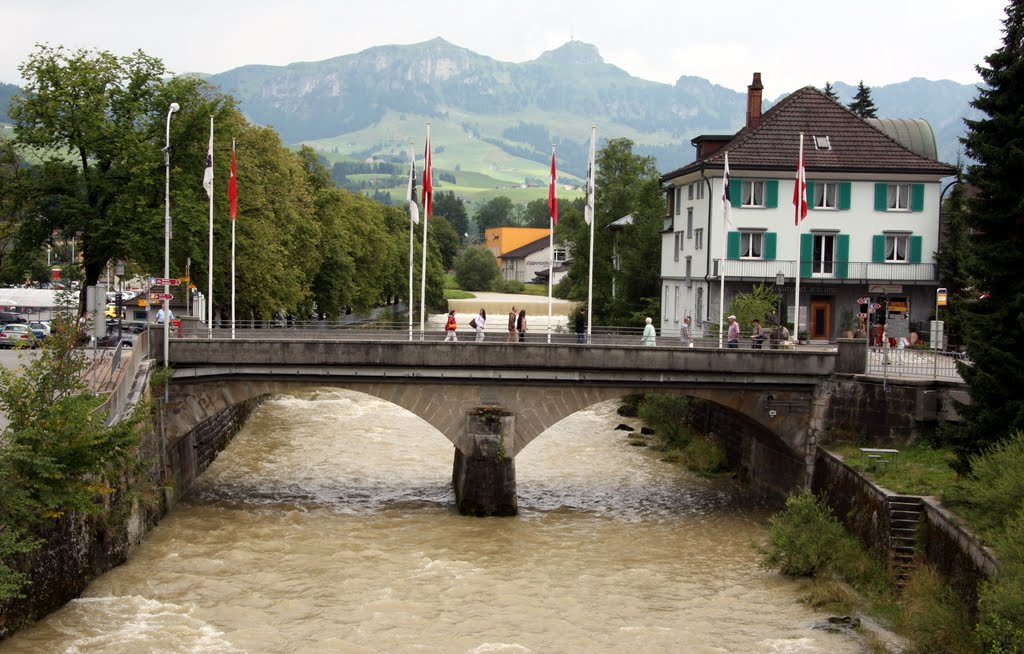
x=483, y=476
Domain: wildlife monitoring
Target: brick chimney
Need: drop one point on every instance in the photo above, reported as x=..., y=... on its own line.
x=754, y=102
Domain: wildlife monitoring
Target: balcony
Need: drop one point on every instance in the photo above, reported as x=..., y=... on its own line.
x=844, y=272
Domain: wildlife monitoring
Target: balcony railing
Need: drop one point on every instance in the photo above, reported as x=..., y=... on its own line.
x=848, y=270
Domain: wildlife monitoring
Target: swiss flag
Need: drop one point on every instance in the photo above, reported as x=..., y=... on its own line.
x=233, y=187
x=552, y=196
x=428, y=181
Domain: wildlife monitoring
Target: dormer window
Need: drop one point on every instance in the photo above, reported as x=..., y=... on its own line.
x=822, y=143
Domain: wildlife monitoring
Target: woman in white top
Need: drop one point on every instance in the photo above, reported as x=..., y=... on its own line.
x=481, y=322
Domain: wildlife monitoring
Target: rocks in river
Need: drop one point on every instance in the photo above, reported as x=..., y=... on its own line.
x=646, y=431
x=623, y=427
x=838, y=624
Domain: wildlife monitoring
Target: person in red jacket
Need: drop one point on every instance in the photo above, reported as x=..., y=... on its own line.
x=449, y=328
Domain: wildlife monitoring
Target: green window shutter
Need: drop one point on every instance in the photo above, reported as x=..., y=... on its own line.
x=915, y=249
x=806, y=252
x=878, y=248
x=917, y=197
x=771, y=193
x=881, y=196
x=810, y=194
x=732, y=246
x=769, y=246
x=735, y=191
x=844, y=196
x=842, y=256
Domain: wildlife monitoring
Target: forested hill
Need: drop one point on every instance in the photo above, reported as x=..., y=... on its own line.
x=524, y=107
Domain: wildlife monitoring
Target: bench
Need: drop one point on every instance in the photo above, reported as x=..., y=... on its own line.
x=878, y=455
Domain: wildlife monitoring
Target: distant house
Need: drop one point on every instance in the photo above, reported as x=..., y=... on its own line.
x=530, y=263
x=873, y=192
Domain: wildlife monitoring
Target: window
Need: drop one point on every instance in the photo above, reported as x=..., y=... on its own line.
x=826, y=195
x=689, y=272
x=698, y=239
x=897, y=247
x=689, y=222
x=665, y=303
x=700, y=190
x=751, y=245
x=822, y=143
x=752, y=194
x=689, y=195
x=898, y=197
x=560, y=254
x=675, y=311
x=823, y=255
x=699, y=317
x=678, y=199
x=678, y=247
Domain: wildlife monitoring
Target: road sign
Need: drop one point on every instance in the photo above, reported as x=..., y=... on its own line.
x=166, y=282
x=863, y=300
x=940, y=297
x=161, y=296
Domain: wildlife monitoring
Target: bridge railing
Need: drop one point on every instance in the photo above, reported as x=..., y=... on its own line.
x=913, y=363
x=399, y=331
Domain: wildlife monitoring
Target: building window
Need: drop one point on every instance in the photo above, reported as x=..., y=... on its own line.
x=751, y=245
x=689, y=222
x=822, y=143
x=700, y=190
x=678, y=199
x=897, y=247
x=678, y=247
x=700, y=306
x=675, y=305
x=689, y=193
x=752, y=194
x=560, y=254
x=665, y=303
x=826, y=195
x=899, y=197
x=823, y=254
x=698, y=239
x=689, y=271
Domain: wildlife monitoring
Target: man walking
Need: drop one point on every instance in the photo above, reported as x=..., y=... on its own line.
x=513, y=335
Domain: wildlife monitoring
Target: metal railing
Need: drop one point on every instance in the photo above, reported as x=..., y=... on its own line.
x=852, y=270
x=913, y=363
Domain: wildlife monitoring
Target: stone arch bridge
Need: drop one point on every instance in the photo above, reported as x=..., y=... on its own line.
x=492, y=399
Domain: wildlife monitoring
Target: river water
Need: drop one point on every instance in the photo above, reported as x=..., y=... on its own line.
x=328, y=526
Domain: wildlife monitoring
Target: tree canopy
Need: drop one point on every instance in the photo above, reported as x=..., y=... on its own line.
x=862, y=104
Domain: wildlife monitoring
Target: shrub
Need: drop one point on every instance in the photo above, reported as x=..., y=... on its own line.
x=476, y=269
x=934, y=617
x=509, y=286
x=994, y=491
x=1001, y=601
x=703, y=455
x=666, y=415
x=804, y=539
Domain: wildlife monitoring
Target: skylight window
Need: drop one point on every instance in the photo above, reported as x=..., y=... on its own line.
x=822, y=143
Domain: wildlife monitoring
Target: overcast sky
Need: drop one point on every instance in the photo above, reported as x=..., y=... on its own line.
x=793, y=43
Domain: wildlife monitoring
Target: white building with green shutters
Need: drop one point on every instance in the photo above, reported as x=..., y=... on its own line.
x=873, y=191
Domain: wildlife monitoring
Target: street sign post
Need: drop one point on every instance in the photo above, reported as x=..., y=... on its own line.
x=161, y=296
x=165, y=282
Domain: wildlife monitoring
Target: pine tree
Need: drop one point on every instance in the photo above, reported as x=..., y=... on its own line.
x=830, y=92
x=994, y=326
x=862, y=104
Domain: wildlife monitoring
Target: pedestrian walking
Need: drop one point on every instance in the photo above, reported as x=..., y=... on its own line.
x=648, y=337
x=478, y=323
x=512, y=335
x=734, y=332
x=449, y=328
x=684, y=333
x=756, y=335
x=521, y=325
x=581, y=326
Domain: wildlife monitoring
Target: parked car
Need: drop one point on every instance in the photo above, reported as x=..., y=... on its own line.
x=115, y=336
x=9, y=317
x=18, y=335
x=40, y=329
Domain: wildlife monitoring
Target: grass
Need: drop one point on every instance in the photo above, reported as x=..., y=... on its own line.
x=456, y=294
x=919, y=470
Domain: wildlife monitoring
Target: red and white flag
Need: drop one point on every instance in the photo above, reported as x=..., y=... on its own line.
x=726, y=195
x=233, y=186
x=800, y=188
x=552, y=195
x=428, y=181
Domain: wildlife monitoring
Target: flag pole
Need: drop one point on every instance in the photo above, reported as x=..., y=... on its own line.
x=726, y=200
x=233, y=210
x=411, y=201
x=796, y=273
x=588, y=211
x=209, y=266
x=552, y=218
x=426, y=218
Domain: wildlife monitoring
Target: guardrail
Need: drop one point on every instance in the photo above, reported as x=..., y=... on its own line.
x=913, y=363
x=863, y=271
x=120, y=376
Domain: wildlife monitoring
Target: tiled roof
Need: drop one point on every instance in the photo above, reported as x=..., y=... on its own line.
x=774, y=144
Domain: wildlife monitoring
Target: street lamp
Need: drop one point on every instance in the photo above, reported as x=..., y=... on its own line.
x=167, y=229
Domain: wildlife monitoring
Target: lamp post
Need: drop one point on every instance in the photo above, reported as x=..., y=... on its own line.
x=780, y=281
x=167, y=228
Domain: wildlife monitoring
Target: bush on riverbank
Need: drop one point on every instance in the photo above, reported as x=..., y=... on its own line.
x=670, y=418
